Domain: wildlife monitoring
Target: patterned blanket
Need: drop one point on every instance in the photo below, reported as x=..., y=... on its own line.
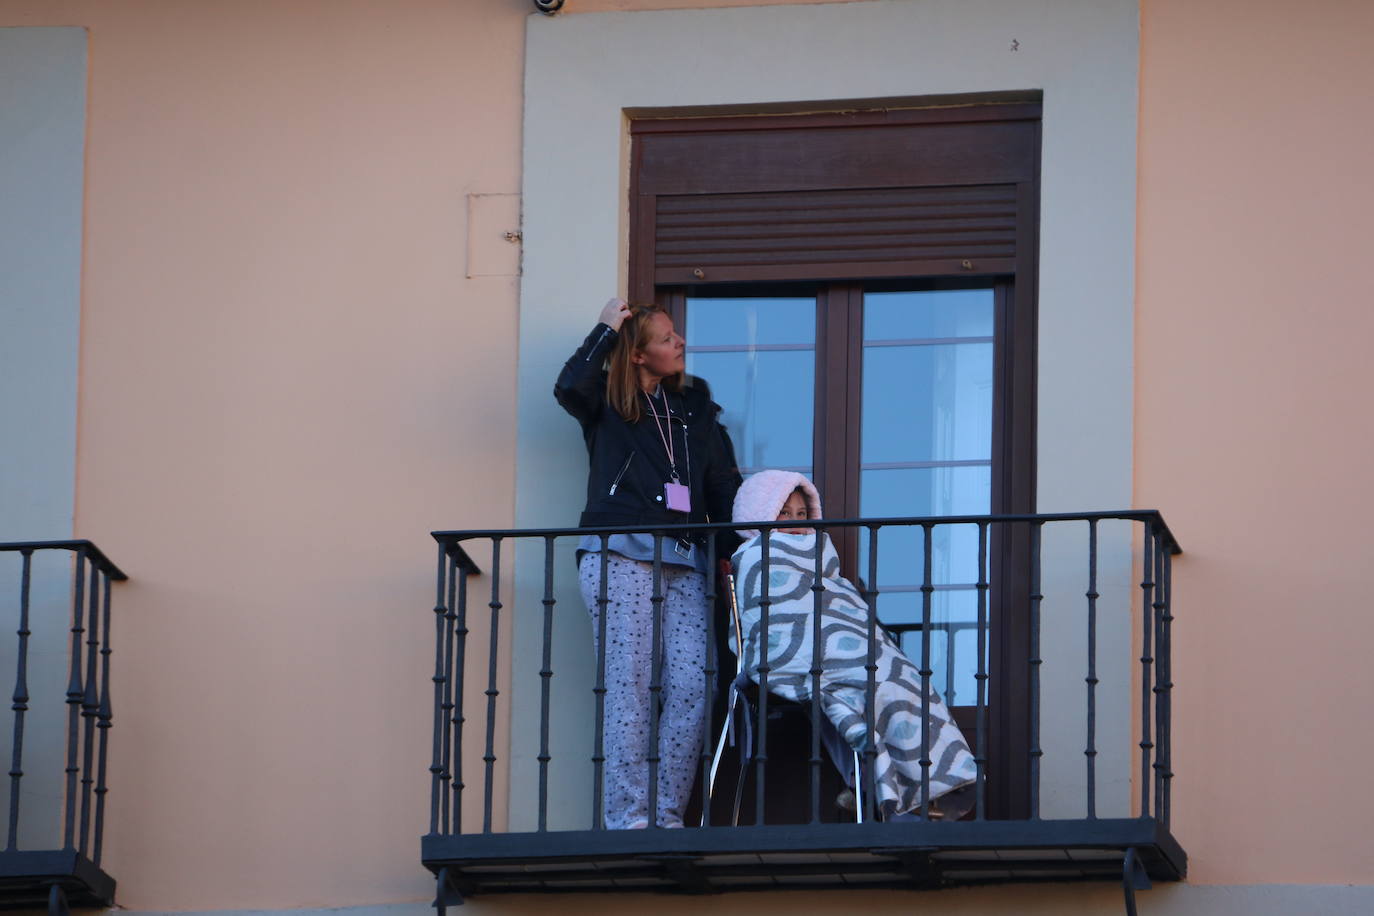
x=843, y=682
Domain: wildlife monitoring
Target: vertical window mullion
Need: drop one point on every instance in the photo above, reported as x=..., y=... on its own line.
x=837, y=410
x=822, y=464
x=674, y=299
x=852, y=420
x=1001, y=384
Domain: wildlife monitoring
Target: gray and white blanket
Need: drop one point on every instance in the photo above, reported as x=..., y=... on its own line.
x=844, y=679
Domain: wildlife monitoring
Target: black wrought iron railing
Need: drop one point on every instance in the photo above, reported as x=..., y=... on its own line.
x=1079, y=569
x=58, y=594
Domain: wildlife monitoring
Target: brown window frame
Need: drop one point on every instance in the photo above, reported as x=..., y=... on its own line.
x=940, y=147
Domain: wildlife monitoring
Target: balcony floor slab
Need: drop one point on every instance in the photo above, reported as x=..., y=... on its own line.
x=27, y=877
x=713, y=859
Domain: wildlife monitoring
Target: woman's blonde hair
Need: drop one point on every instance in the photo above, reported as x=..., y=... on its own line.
x=622, y=383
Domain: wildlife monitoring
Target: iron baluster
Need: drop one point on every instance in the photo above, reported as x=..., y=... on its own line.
x=599, y=691
x=1157, y=606
x=21, y=696
x=436, y=762
x=1167, y=698
x=446, y=708
x=489, y=758
x=950, y=630
x=90, y=706
x=761, y=750
x=980, y=675
x=926, y=592
x=1146, y=588
x=817, y=589
x=1035, y=599
x=545, y=677
x=103, y=721
x=870, y=778
x=459, y=718
x=711, y=670
x=1090, y=752
x=655, y=677
x=75, y=696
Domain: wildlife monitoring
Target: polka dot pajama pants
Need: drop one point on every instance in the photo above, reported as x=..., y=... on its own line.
x=629, y=670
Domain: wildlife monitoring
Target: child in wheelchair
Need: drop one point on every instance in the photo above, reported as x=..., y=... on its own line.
x=901, y=713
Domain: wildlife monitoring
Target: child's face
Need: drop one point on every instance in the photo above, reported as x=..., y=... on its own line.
x=794, y=509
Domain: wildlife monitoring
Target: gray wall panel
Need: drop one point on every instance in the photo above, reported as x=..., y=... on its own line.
x=42, y=140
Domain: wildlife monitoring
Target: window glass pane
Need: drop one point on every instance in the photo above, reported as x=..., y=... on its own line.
x=769, y=423
x=924, y=492
x=751, y=321
x=952, y=612
x=953, y=659
x=928, y=314
x=927, y=403
x=759, y=357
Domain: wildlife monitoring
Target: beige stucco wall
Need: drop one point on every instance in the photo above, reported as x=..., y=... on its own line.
x=286, y=382
x=1253, y=428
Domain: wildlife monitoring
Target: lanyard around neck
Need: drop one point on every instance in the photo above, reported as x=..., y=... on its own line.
x=668, y=438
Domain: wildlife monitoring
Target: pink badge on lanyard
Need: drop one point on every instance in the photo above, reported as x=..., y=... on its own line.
x=677, y=496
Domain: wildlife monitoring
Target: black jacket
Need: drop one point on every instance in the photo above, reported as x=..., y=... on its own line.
x=628, y=461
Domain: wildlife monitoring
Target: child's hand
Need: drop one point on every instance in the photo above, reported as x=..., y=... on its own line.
x=615, y=313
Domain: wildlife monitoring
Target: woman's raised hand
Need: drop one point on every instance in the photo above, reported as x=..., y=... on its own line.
x=615, y=313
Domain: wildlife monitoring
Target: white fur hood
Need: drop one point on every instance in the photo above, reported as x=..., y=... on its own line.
x=761, y=497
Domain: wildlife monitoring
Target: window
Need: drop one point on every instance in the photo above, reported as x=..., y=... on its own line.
x=858, y=289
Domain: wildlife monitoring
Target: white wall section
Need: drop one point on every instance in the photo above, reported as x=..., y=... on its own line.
x=42, y=140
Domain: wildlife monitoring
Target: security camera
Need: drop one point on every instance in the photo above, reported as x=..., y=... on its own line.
x=548, y=7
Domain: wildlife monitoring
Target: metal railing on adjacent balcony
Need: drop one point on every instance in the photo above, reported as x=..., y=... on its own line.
x=58, y=594
x=1028, y=568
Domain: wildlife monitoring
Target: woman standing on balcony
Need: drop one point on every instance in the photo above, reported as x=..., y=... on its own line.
x=658, y=456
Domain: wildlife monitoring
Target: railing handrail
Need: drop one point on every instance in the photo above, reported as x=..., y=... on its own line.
x=452, y=538
x=93, y=553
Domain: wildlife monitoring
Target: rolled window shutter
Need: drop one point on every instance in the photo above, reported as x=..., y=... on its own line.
x=830, y=234
x=944, y=191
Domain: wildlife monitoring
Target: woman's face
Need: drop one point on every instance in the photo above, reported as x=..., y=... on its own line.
x=661, y=355
x=794, y=509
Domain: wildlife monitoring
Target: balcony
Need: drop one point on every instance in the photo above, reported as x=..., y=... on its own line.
x=59, y=595
x=1061, y=686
